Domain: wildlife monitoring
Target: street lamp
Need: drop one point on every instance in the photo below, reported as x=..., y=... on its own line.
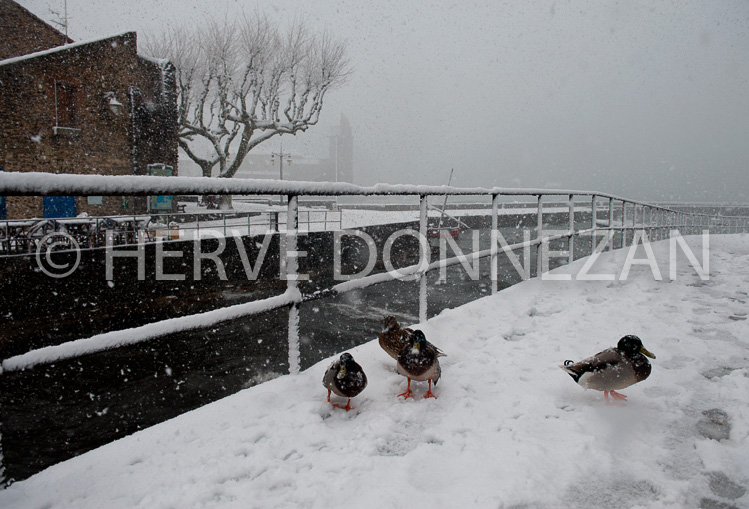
x=281, y=154
x=334, y=153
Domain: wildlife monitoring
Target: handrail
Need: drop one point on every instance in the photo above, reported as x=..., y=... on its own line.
x=46, y=184
x=662, y=221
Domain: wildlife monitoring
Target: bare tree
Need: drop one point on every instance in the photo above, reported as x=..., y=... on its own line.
x=241, y=83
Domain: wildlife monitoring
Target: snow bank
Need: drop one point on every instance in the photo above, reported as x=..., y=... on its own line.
x=509, y=428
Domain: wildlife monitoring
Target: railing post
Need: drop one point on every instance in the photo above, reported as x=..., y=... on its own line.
x=651, y=235
x=292, y=283
x=662, y=223
x=624, y=223
x=571, y=241
x=494, y=271
x=593, y=224
x=540, y=229
x=611, y=224
x=423, y=255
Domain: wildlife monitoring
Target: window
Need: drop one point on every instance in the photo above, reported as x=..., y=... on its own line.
x=64, y=104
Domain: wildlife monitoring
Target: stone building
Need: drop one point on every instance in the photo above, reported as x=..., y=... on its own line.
x=93, y=107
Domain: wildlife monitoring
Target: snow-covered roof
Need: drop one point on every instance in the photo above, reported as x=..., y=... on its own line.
x=58, y=49
x=161, y=62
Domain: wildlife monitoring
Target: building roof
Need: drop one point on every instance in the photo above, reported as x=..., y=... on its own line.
x=59, y=49
x=11, y=4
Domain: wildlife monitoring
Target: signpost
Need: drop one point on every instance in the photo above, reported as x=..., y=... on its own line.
x=160, y=202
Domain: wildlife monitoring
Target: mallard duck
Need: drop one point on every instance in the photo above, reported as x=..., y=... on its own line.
x=613, y=368
x=345, y=378
x=394, y=338
x=419, y=361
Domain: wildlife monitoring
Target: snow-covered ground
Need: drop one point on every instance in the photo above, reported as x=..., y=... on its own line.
x=509, y=428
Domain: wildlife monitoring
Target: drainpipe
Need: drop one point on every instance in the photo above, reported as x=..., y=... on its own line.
x=133, y=91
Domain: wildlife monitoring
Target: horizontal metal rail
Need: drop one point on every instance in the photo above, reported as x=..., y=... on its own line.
x=660, y=222
x=46, y=184
x=23, y=236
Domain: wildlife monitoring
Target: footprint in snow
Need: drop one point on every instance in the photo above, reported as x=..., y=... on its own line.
x=714, y=425
x=718, y=372
x=721, y=485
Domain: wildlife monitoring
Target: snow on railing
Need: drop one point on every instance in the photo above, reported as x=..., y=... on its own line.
x=655, y=221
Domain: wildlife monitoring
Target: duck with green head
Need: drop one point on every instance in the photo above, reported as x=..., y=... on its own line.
x=613, y=368
x=344, y=378
x=419, y=361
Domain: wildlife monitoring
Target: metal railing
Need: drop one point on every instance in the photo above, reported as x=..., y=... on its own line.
x=24, y=236
x=608, y=215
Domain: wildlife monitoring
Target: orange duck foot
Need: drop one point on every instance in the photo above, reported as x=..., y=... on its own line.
x=346, y=408
x=616, y=395
x=429, y=393
x=408, y=393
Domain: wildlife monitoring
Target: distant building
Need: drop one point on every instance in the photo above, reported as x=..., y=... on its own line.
x=93, y=107
x=337, y=167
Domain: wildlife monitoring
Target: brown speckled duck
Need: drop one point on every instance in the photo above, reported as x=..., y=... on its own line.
x=613, y=368
x=419, y=361
x=394, y=338
x=345, y=378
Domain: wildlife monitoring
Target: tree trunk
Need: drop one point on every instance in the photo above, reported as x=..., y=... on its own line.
x=224, y=202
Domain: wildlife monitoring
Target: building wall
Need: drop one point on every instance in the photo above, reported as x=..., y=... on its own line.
x=98, y=141
x=342, y=152
x=22, y=33
x=155, y=115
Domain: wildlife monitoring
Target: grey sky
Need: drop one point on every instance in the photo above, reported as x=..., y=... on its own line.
x=643, y=99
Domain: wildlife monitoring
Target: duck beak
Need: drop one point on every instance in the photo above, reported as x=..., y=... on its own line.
x=645, y=351
x=341, y=372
